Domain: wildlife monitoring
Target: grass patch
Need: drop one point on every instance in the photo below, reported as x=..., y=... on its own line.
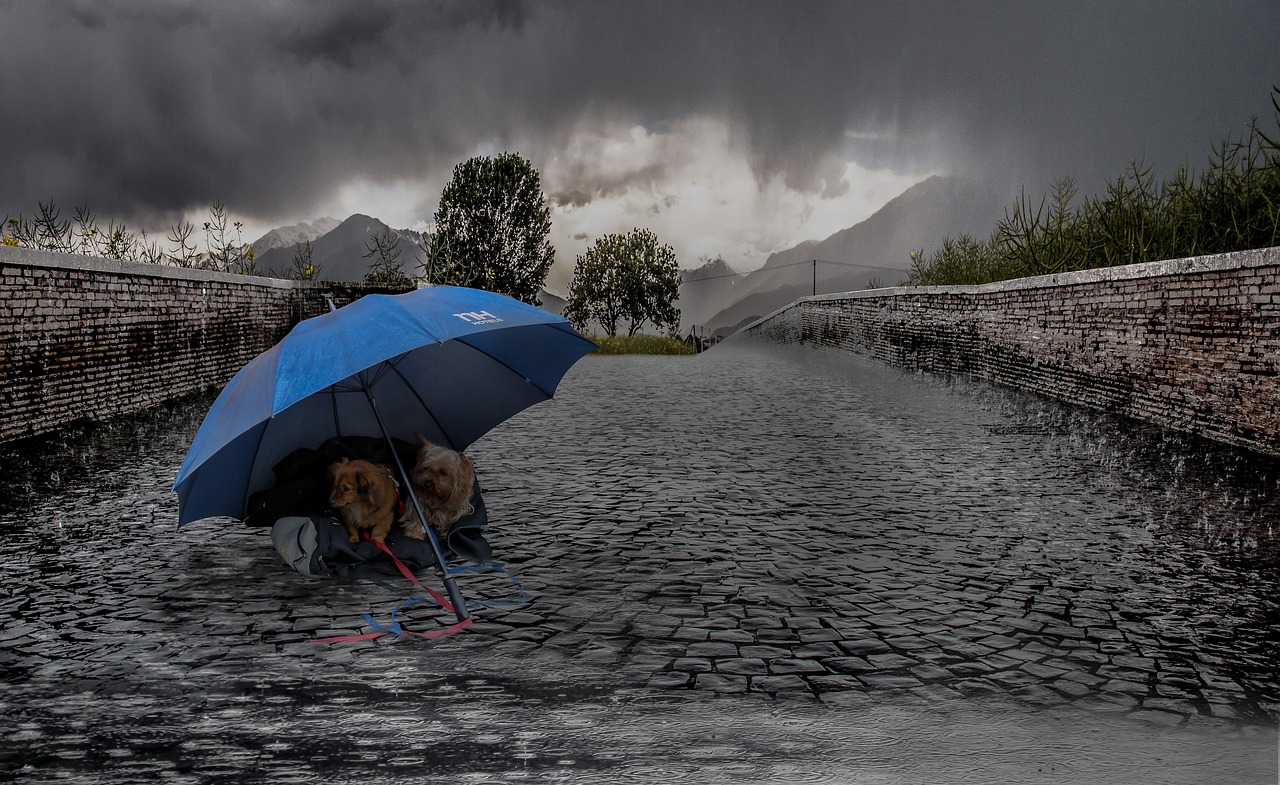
x=640, y=344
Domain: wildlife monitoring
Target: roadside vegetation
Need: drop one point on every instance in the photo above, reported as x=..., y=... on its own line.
x=490, y=232
x=491, y=229
x=627, y=279
x=48, y=230
x=641, y=344
x=1233, y=205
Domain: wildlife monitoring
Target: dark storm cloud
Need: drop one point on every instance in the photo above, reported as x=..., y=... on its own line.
x=148, y=109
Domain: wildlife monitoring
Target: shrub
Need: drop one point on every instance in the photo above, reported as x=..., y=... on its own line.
x=641, y=344
x=1234, y=205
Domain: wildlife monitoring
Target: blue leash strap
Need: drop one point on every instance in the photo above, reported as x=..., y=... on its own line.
x=498, y=568
x=395, y=628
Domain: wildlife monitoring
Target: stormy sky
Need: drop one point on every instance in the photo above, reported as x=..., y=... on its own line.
x=733, y=128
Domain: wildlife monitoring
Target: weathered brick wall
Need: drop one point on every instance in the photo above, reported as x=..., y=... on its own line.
x=88, y=338
x=1191, y=344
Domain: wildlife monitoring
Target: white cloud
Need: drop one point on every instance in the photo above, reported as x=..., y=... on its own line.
x=399, y=204
x=691, y=183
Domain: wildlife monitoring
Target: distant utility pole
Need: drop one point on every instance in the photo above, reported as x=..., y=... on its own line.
x=815, y=277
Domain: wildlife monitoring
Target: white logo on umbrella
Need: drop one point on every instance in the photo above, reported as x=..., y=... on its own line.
x=478, y=317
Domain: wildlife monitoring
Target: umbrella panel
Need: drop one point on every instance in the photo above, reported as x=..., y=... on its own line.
x=461, y=380
x=447, y=392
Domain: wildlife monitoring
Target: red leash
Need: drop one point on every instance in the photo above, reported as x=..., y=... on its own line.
x=395, y=628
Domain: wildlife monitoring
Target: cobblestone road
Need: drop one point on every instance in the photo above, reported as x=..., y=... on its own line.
x=815, y=533
x=810, y=528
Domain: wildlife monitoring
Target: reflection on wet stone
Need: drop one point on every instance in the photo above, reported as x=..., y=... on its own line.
x=811, y=532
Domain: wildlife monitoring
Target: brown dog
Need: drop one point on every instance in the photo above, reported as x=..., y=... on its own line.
x=442, y=482
x=365, y=496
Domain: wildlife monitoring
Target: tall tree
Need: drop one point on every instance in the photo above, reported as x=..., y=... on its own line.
x=628, y=277
x=491, y=229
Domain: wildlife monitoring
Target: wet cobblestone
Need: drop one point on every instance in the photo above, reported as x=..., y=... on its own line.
x=777, y=525
x=815, y=547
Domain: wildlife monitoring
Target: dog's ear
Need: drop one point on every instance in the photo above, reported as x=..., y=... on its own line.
x=466, y=476
x=363, y=486
x=461, y=482
x=422, y=440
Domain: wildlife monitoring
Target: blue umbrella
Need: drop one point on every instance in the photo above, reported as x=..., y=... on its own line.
x=448, y=362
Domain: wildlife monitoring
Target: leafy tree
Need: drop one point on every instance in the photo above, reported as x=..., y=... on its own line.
x=594, y=293
x=385, y=269
x=628, y=277
x=491, y=229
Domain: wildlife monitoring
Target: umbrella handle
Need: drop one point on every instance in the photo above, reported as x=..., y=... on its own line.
x=450, y=582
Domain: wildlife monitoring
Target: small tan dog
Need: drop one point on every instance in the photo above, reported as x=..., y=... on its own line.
x=442, y=482
x=365, y=496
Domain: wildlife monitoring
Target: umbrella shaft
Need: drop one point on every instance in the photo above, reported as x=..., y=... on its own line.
x=450, y=583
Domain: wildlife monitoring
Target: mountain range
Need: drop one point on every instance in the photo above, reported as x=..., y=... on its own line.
x=289, y=236
x=713, y=298
x=342, y=252
x=867, y=255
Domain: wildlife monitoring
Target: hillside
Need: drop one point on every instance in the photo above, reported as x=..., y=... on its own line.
x=290, y=236
x=875, y=252
x=340, y=253
x=706, y=291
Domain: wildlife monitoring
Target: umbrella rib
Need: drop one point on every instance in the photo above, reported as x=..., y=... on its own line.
x=333, y=401
x=253, y=464
x=504, y=365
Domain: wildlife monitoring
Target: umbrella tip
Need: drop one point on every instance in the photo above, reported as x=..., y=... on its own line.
x=332, y=307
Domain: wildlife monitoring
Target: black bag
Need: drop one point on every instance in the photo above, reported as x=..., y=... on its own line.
x=302, y=477
x=317, y=545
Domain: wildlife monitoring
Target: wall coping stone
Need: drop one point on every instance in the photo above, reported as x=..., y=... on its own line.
x=58, y=260
x=1191, y=265
x=1189, y=344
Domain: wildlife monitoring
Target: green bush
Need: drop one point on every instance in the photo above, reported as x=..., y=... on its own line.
x=1234, y=205
x=640, y=344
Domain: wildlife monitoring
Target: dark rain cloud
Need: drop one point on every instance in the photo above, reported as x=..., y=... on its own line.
x=148, y=109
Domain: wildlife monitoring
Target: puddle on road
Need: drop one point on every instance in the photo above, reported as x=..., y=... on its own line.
x=395, y=727
x=133, y=652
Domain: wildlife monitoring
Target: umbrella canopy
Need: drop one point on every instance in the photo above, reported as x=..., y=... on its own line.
x=447, y=362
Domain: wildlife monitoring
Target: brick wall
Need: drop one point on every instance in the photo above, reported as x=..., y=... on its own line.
x=88, y=338
x=1191, y=344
